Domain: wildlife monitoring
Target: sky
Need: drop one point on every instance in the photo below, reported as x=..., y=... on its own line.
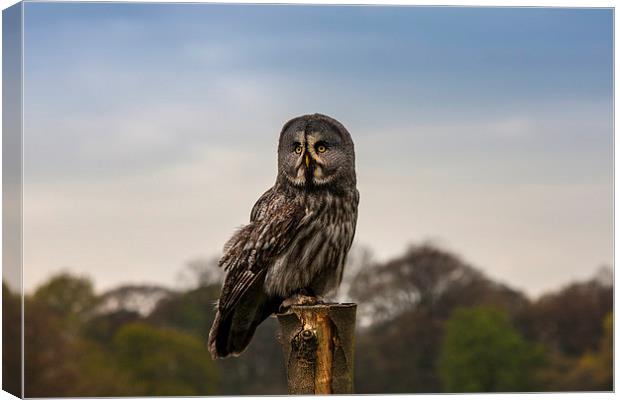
x=151, y=129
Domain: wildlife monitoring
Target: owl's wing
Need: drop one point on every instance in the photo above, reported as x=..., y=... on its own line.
x=263, y=204
x=274, y=221
x=243, y=303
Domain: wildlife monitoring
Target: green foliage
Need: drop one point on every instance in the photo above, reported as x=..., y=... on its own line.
x=102, y=328
x=407, y=301
x=425, y=325
x=98, y=374
x=67, y=297
x=398, y=356
x=71, y=350
x=259, y=369
x=164, y=361
x=192, y=311
x=569, y=321
x=592, y=371
x=482, y=352
x=51, y=352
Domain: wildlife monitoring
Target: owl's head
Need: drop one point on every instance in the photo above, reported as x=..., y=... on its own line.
x=316, y=151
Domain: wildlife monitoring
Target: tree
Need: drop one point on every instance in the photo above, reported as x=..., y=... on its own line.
x=11, y=341
x=141, y=299
x=402, y=306
x=595, y=369
x=569, y=321
x=53, y=320
x=49, y=355
x=430, y=278
x=259, y=370
x=399, y=355
x=482, y=352
x=163, y=361
x=592, y=371
x=102, y=328
x=60, y=359
x=148, y=340
x=191, y=311
x=69, y=298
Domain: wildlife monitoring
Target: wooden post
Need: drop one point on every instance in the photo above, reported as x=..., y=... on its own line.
x=318, y=343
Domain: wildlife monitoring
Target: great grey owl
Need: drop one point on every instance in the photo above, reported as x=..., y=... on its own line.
x=300, y=231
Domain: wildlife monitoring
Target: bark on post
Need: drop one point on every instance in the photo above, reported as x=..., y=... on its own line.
x=318, y=345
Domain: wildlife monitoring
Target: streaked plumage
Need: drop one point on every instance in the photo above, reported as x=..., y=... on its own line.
x=299, y=234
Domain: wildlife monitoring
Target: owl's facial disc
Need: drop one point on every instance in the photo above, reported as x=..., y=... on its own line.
x=321, y=149
x=312, y=163
x=305, y=168
x=314, y=152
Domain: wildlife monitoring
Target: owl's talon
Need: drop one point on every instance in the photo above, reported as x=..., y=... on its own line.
x=300, y=299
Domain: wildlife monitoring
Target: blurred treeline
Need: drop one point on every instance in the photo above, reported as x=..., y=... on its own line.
x=427, y=322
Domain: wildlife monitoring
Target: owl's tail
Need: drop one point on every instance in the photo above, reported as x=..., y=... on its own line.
x=231, y=333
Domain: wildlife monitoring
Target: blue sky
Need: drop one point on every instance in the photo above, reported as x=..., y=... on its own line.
x=151, y=129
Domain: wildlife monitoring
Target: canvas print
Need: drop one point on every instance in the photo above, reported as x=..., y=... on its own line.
x=252, y=199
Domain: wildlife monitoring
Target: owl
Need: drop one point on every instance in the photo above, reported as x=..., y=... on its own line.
x=294, y=248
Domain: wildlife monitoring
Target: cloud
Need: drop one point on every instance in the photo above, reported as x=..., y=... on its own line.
x=150, y=134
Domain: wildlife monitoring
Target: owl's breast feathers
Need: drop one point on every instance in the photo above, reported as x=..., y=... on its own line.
x=293, y=241
x=316, y=254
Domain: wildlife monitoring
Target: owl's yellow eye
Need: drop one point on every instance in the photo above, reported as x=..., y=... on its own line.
x=298, y=149
x=321, y=148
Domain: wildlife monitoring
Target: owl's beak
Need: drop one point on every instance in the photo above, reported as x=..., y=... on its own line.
x=307, y=160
